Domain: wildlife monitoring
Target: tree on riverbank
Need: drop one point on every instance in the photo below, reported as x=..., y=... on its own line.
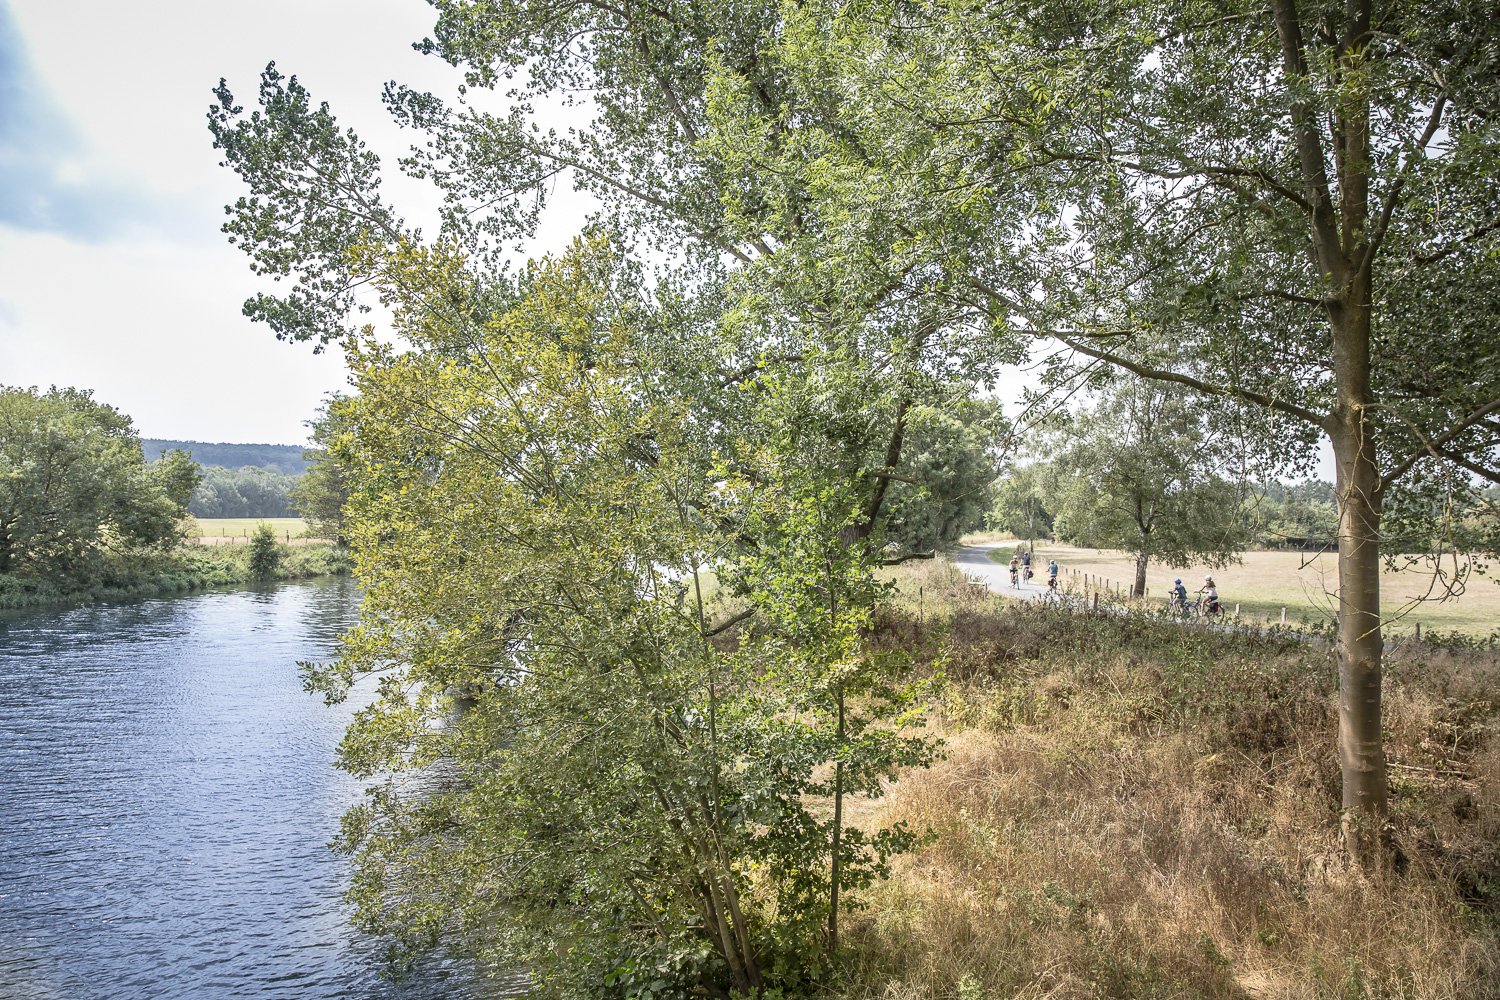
x=75, y=484
x=813, y=399
x=632, y=772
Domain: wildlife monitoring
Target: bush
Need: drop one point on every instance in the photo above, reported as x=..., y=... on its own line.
x=265, y=553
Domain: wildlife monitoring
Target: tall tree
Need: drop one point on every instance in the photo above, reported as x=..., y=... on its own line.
x=1139, y=472
x=950, y=465
x=1289, y=207
x=849, y=366
x=628, y=793
x=1021, y=502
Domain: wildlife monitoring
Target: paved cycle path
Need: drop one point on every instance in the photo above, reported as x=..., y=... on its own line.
x=975, y=562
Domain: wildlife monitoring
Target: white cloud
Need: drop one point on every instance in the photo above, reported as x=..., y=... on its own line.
x=113, y=273
x=154, y=328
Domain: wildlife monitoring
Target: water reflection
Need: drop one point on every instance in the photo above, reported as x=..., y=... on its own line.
x=166, y=795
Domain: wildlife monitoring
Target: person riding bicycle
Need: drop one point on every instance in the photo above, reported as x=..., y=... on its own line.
x=1052, y=574
x=1026, y=564
x=1179, y=595
x=1015, y=569
x=1210, y=599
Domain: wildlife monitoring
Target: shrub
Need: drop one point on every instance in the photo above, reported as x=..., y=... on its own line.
x=265, y=553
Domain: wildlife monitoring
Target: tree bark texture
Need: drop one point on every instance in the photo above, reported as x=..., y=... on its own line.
x=1360, y=644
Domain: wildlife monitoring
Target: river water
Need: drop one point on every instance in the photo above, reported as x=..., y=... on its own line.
x=167, y=792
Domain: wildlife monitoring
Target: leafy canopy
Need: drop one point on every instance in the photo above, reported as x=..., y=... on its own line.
x=75, y=484
x=616, y=787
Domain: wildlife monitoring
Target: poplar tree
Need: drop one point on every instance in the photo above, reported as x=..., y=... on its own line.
x=1288, y=208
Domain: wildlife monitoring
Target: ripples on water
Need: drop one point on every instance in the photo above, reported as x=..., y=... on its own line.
x=167, y=793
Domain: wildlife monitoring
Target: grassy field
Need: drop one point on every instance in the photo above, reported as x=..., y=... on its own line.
x=1129, y=809
x=207, y=528
x=1263, y=583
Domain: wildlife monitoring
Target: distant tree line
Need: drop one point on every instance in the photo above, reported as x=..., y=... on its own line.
x=284, y=458
x=268, y=480
x=244, y=492
x=1268, y=515
x=1295, y=516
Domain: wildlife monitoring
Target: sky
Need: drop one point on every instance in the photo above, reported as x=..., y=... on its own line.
x=114, y=275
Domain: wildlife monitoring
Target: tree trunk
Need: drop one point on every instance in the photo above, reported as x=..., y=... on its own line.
x=1361, y=751
x=1139, y=588
x=838, y=836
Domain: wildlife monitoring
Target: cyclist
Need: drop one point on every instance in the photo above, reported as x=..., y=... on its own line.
x=1052, y=574
x=1026, y=564
x=1209, y=603
x=1179, y=601
x=1015, y=570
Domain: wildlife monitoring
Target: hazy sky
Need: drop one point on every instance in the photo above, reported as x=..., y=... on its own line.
x=113, y=273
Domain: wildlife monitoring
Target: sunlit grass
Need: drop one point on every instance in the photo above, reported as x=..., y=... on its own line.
x=1127, y=808
x=1305, y=584
x=242, y=527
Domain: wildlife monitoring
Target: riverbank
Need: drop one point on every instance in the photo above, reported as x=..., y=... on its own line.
x=1126, y=808
x=187, y=569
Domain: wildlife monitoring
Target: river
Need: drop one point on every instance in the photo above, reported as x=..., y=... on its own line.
x=167, y=793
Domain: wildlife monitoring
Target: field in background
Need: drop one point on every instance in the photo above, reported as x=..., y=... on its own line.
x=1305, y=584
x=217, y=530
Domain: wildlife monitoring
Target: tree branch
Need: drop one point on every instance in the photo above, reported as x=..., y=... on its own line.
x=1383, y=222
x=1309, y=146
x=1437, y=447
x=1481, y=471
x=729, y=623
x=1186, y=170
x=1207, y=388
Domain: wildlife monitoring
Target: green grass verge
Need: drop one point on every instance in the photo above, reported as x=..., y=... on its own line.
x=190, y=568
x=242, y=527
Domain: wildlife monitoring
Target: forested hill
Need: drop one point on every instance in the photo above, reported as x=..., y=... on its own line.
x=286, y=458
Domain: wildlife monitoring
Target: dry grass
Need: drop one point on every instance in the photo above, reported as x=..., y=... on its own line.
x=1263, y=583
x=1132, y=810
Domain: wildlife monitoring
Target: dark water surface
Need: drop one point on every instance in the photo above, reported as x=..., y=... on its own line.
x=166, y=797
